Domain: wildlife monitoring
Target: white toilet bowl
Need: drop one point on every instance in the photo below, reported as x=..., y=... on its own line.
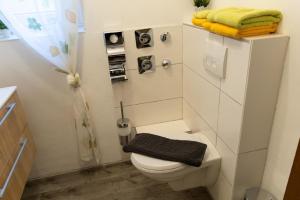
x=179, y=176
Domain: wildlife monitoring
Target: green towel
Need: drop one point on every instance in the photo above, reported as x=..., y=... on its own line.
x=244, y=17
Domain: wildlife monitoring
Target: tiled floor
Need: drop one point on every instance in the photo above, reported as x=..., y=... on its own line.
x=118, y=182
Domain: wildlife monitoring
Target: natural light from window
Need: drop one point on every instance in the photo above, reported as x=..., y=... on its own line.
x=27, y=11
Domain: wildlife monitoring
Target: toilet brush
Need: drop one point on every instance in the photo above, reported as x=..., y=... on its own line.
x=124, y=128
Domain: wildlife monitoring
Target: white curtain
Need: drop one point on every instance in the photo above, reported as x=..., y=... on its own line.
x=50, y=27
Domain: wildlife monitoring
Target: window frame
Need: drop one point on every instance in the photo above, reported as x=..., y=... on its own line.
x=13, y=36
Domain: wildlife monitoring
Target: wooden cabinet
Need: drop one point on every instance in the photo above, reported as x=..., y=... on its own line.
x=17, y=149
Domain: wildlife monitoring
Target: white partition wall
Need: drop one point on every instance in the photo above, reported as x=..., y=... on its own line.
x=235, y=112
x=152, y=97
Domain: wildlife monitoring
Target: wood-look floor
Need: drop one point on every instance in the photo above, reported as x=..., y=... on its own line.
x=118, y=182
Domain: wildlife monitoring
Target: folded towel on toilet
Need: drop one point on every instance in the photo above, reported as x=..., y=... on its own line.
x=187, y=152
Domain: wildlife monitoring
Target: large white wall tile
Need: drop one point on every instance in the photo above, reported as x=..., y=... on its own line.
x=194, y=40
x=230, y=122
x=148, y=87
x=171, y=49
x=222, y=190
x=262, y=91
x=238, y=57
x=229, y=161
x=151, y=113
x=196, y=123
x=249, y=172
x=202, y=96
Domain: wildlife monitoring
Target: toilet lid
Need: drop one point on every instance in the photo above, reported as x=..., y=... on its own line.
x=154, y=164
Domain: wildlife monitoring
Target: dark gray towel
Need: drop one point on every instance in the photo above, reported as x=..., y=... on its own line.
x=187, y=152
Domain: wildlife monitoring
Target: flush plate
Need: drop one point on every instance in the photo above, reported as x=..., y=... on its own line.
x=215, y=59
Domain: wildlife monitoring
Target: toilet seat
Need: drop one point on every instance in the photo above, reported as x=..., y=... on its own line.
x=154, y=165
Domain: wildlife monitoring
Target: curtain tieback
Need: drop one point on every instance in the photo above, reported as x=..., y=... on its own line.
x=73, y=80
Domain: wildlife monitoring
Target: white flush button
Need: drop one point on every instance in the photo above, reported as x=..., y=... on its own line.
x=215, y=58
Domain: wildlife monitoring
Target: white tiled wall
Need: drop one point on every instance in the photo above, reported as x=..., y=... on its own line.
x=249, y=172
x=193, y=51
x=152, y=97
x=202, y=96
x=206, y=108
x=171, y=49
x=196, y=123
x=222, y=190
x=217, y=106
x=238, y=56
x=229, y=160
x=148, y=87
x=230, y=121
x=153, y=112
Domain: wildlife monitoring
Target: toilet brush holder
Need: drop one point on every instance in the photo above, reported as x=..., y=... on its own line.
x=125, y=140
x=125, y=130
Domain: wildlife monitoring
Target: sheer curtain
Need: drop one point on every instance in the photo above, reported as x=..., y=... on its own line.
x=50, y=27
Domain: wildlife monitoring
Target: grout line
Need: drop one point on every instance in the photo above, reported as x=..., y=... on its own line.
x=218, y=87
x=148, y=102
x=222, y=174
x=236, y=154
x=201, y=76
x=219, y=112
x=156, y=66
x=231, y=97
x=252, y=151
x=188, y=103
x=161, y=122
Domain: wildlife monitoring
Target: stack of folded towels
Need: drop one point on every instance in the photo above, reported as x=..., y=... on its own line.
x=238, y=22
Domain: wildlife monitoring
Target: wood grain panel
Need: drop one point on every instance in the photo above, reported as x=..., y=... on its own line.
x=12, y=132
x=21, y=174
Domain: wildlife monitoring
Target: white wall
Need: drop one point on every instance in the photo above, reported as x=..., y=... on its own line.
x=45, y=94
x=285, y=135
x=47, y=102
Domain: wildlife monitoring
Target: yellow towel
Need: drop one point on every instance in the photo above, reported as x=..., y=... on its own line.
x=198, y=22
x=202, y=14
x=239, y=33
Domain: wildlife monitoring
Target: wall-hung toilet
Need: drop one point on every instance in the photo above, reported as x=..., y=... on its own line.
x=179, y=176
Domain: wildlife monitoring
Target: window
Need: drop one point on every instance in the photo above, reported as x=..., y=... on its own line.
x=44, y=9
x=5, y=32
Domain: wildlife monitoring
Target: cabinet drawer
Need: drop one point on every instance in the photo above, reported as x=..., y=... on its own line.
x=12, y=125
x=10, y=136
x=15, y=181
x=18, y=115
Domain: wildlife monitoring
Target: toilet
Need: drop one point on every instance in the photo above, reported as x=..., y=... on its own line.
x=178, y=175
